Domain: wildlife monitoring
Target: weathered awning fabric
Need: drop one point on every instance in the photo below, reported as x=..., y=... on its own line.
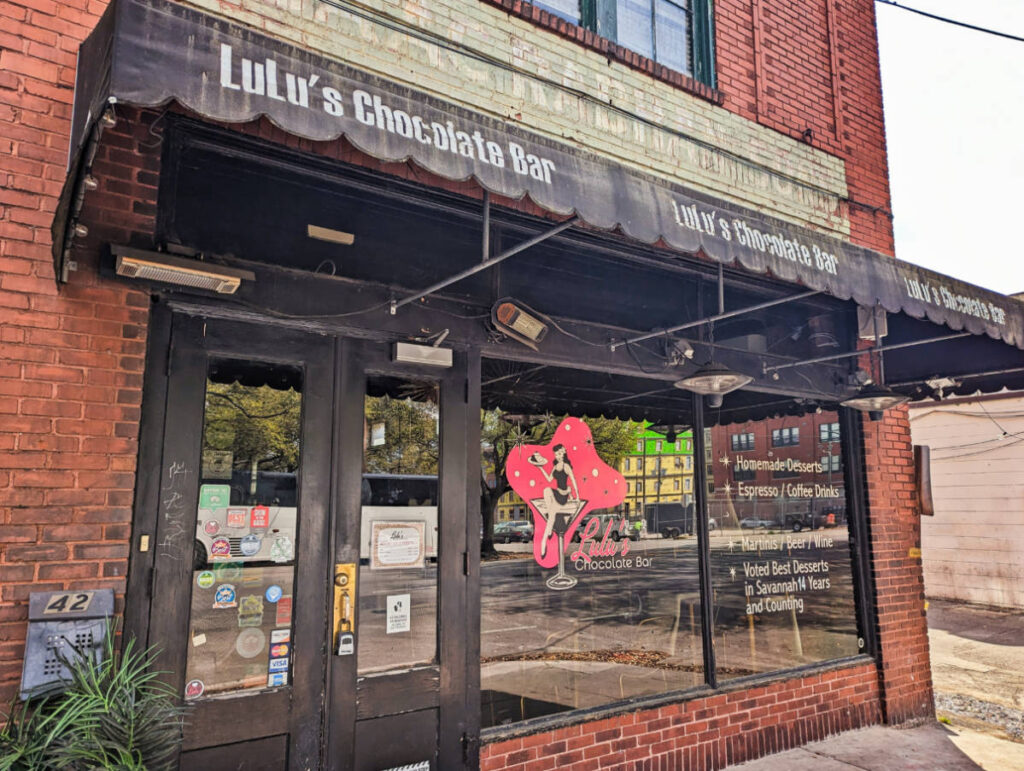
x=150, y=52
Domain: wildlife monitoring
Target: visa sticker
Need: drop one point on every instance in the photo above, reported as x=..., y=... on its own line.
x=278, y=665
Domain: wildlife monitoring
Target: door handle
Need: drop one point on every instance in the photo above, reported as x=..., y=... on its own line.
x=344, y=609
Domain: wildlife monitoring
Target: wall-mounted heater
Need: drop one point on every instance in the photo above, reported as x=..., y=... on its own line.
x=182, y=271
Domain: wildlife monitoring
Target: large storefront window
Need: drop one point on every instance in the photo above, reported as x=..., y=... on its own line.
x=780, y=552
x=581, y=604
x=593, y=595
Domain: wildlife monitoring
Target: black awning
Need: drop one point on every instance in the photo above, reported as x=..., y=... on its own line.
x=151, y=52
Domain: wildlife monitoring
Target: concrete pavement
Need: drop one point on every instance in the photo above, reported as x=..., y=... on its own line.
x=930, y=747
x=978, y=674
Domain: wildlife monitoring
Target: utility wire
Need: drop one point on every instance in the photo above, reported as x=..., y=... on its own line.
x=964, y=24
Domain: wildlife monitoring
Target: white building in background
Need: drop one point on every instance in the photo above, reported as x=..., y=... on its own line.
x=973, y=548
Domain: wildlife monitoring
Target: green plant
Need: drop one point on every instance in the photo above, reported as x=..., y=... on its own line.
x=115, y=713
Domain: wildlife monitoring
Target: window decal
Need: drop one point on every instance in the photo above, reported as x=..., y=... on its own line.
x=562, y=482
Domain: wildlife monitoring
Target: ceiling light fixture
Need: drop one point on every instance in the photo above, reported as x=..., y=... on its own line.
x=713, y=379
x=875, y=398
x=156, y=266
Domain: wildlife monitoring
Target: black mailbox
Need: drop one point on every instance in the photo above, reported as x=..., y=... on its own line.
x=62, y=626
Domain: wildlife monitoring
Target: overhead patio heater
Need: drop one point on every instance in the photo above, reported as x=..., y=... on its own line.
x=713, y=380
x=168, y=269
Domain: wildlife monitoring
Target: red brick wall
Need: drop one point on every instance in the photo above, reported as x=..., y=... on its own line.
x=706, y=733
x=71, y=361
x=896, y=548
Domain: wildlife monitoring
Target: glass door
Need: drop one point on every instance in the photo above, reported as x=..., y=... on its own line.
x=398, y=671
x=239, y=588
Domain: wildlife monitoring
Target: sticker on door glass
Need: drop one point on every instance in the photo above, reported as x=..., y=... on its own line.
x=194, y=689
x=214, y=496
x=217, y=464
x=277, y=678
x=250, y=642
x=284, y=611
x=229, y=571
x=278, y=665
x=279, y=650
x=281, y=636
x=273, y=593
x=259, y=518
x=220, y=549
x=281, y=549
x=399, y=613
x=250, y=545
x=237, y=517
x=211, y=527
x=397, y=545
x=224, y=597
x=205, y=579
x=250, y=610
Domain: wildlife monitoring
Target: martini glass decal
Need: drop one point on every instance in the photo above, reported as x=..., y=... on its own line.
x=564, y=516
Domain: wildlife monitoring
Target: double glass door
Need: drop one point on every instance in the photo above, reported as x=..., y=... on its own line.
x=310, y=533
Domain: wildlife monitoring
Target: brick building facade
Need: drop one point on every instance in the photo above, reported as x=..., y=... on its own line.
x=787, y=124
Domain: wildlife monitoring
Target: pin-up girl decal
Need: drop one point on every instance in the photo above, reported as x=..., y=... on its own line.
x=559, y=495
x=578, y=482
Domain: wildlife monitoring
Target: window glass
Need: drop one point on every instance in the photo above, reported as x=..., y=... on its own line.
x=566, y=9
x=240, y=625
x=617, y=614
x=786, y=437
x=672, y=35
x=780, y=553
x=635, y=31
x=741, y=442
x=397, y=583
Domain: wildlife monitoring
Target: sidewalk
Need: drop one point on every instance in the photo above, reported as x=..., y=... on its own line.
x=931, y=747
x=978, y=675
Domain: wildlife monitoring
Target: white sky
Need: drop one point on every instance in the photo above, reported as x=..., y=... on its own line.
x=954, y=116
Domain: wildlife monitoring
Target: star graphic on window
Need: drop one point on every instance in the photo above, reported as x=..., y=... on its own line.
x=724, y=460
x=727, y=487
x=732, y=573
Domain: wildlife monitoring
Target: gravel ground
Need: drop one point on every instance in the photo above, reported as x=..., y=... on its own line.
x=1009, y=720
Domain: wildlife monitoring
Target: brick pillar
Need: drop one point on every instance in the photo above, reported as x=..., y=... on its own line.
x=905, y=673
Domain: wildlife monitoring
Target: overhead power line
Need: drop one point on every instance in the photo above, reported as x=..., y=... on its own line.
x=964, y=24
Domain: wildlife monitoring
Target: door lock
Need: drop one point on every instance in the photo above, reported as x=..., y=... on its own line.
x=344, y=615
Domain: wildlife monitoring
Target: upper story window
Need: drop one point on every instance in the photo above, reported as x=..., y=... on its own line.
x=828, y=432
x=741, y=442
x=676, y=33
x=785, y=437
